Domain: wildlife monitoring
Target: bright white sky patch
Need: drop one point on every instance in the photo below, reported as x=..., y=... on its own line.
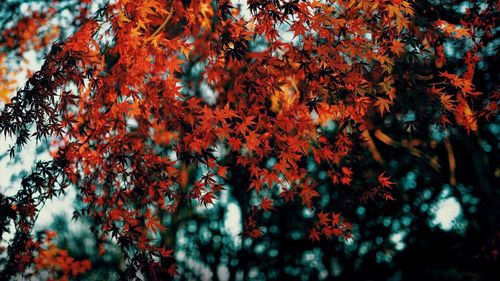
x=398, y=240
x=446, y=213
x=232, y=221
x=245, y=12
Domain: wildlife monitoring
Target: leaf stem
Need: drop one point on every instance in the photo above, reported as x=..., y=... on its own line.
x=164, y=23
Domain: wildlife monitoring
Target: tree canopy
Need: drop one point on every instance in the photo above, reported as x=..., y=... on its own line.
x=326, y=124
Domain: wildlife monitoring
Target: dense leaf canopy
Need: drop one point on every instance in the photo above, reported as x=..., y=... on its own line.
x=317, y=119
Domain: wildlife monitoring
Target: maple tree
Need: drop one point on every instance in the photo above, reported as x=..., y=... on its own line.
x=153, y=106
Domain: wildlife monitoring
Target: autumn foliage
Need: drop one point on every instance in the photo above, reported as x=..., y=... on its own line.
x=154, y=105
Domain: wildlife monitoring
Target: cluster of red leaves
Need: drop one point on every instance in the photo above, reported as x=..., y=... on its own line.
x=458, y=100
x=50, y=262
x=26, y=34
x=34, y=29
x=251, y=228
x=23, y=36
x=382, y=189
x=328, y=225
x=54, y=264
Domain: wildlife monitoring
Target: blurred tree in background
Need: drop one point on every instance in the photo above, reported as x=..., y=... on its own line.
x=252, y=140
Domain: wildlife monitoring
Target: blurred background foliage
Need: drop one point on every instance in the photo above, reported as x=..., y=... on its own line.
x=444, y=223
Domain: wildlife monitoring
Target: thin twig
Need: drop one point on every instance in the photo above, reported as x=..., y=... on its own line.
x=413, y=151
x=164, y=23
x=451, y=161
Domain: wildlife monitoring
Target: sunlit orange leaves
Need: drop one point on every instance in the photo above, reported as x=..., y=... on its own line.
x=57, y=263
x=6, y=81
